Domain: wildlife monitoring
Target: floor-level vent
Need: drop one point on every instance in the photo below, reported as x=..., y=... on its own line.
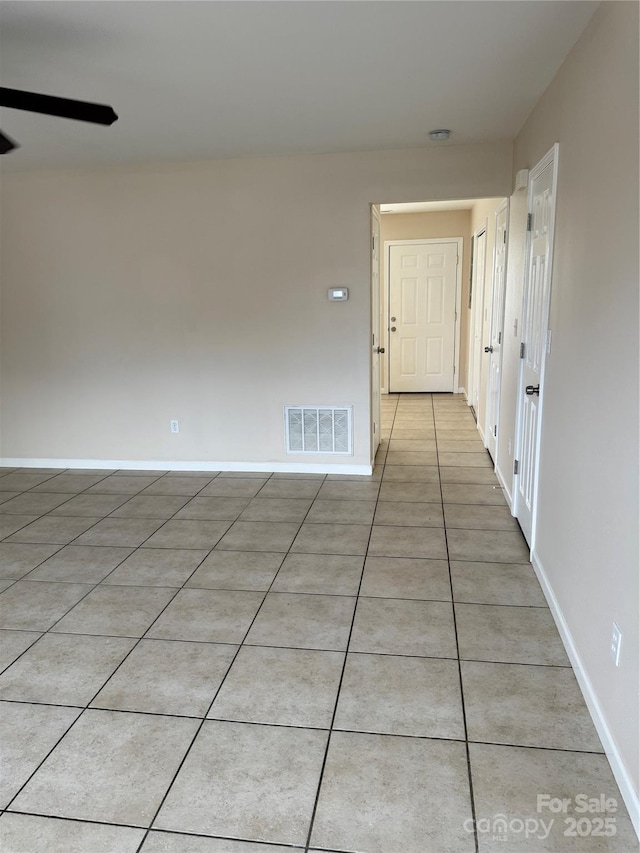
x=318, y=429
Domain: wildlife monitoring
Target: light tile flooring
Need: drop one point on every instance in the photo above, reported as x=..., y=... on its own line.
x=261, y=664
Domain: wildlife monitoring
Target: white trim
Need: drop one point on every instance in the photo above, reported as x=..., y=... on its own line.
x=460, y=390
x=164, y=465
x=620, y=772
x=374, y=335
x=480, y=430
x=503, y=484
x=551, y=157
x=385, y=300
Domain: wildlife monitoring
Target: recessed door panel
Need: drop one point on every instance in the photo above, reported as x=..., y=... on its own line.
x=435, y=300
x=409, y=309
x=409, y=357
x=434, y=356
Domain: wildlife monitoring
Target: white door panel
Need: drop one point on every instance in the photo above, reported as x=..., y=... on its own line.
x=477, y=305
x=422, y=309
x=497, y=333
x=535, y=319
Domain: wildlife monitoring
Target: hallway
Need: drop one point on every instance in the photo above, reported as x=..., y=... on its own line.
x=299, y=662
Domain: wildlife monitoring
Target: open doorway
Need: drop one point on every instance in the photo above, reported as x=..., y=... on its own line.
x=440, y=320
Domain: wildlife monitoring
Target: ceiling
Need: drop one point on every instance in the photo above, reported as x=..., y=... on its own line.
x=208, y=80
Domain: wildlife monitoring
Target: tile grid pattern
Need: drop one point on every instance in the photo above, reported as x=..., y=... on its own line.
x=308, y=648
x=455, y=626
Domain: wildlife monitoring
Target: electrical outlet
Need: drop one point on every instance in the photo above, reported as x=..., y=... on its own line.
x=175, y=426
x=616, y=643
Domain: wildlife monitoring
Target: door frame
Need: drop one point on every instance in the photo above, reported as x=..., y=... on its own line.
x=386, y=288
x=550, y=158
x=374, y=336
x=505, y=206
x=476, y=357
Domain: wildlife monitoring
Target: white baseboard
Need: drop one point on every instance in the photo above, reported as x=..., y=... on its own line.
x=461, y=390
x=506, y=489
x=164, y=465
x=620, y=772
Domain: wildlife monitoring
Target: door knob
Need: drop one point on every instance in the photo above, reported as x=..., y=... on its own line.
x=380, y=350
x=393, y=328
x=393, y=319
x=488, y=349
x=530, y=390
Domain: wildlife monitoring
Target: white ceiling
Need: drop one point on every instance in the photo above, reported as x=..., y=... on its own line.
x=205, y=80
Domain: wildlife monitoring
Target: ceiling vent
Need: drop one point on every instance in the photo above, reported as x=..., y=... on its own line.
x=318, y=429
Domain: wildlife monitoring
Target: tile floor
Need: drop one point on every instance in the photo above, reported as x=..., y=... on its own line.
x=260, y=664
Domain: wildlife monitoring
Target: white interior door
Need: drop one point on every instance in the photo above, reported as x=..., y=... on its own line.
x=422, y=316
x=496, y=333
x=375, y=331
x=477, y=302
x=535, y=319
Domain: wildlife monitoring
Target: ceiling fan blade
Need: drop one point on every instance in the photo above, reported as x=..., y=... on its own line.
x=52, y=106
x=6, y=144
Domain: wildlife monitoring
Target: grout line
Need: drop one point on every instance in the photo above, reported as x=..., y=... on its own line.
x=48, y=514
x=219, y=688
x=181, y=832
x=344, y=666
x=289, y=648
x=382, y=464
x=464, y=713
x=50, y=630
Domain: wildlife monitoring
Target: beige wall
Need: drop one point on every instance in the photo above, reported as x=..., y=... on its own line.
x=484, y=213
x=433, y=226
x=199, y=292
x=587, y=536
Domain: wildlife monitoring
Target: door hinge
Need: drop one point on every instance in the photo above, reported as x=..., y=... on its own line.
x=529, y=221
x=374, y=428
x=504, y=236
x=454, y=368
x=499, y=337
x=495, y=431
x=516, y=466
x=457, y=260
x=522, y=350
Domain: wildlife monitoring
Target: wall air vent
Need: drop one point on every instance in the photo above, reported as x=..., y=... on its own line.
x=318, y=429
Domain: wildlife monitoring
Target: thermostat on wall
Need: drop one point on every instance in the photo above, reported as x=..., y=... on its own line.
x=338, y=294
